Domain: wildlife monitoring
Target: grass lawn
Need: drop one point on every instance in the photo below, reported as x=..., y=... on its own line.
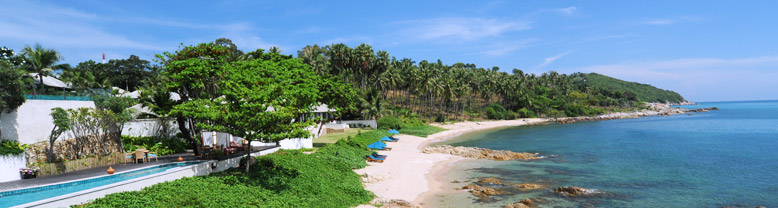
x=421, y=131
x=331, y=138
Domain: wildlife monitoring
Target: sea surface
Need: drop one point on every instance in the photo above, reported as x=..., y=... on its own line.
x=719, y=158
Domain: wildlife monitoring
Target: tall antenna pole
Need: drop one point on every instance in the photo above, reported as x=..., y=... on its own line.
x=103, y=57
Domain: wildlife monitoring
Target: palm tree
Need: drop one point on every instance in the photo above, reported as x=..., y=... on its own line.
x=41, y=60
x=372, y=105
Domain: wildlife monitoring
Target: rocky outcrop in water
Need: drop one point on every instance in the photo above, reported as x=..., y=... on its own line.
x=524, y=203
x=490, y=180
x=481, y=153
x=481, y=191
x=575, y=191
x=528, y=186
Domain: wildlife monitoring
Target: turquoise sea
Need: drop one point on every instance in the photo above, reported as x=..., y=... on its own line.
x=719, y=158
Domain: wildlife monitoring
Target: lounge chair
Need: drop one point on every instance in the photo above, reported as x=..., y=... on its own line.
x=154, y=155
x=370, y=158
x=375, y=154
x=384, y=148
x=395, y=139
x=387, y=139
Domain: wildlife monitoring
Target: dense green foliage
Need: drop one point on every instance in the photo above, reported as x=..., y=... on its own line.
x=642, y=92
x=10, y=147
x=163, y=146
x=390, y=122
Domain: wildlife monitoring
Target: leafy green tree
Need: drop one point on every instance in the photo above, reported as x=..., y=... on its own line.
x=235, y=53
x=61, y=124
x=194, y=73
x=11, y=83
x=261, y=100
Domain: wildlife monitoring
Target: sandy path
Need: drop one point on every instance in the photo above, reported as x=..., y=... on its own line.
x=406, y=168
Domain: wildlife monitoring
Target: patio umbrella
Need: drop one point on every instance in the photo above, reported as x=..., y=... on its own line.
x=386, y=139
x=376, y=145
x=393, y=131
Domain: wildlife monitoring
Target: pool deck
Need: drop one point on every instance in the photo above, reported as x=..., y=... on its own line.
x=101, y=171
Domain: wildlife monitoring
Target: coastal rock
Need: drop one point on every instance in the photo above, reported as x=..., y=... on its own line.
x=524, y=203
x=481, y=191
x=528, y=186
x=490, y=180
x=575, y=191
x=481, y=153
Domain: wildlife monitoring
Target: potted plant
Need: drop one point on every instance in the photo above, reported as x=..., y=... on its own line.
x=30, y=171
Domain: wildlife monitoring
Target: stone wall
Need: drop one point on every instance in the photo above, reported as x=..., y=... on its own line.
x=72, y=149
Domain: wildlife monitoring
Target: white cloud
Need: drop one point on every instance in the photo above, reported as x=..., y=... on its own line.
x=567, y=11
x=503, y=48
x=675, y=20
x=459, y=28
x=550, y=60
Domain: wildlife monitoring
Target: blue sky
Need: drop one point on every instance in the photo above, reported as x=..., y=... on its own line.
x=705, y=50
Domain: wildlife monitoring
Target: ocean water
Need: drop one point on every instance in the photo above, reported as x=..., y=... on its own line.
x=719, y=158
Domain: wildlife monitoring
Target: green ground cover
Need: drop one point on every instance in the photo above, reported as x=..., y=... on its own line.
x=283, y=179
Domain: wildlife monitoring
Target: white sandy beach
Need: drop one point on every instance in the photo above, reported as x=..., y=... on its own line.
x=404, y=174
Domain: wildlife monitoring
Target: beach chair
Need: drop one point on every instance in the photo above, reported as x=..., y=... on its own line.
x=154, y=155
x=387, y=139
x=375, y=154
x=370, y=158
x=385, y=148
x=395, y=139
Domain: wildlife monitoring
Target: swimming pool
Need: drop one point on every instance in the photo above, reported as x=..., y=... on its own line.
x=22, y=196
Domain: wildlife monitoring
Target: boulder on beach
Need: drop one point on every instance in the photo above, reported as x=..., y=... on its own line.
x=575, y=191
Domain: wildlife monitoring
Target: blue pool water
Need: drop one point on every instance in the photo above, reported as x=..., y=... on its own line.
x=23, y=196
x=712, y=159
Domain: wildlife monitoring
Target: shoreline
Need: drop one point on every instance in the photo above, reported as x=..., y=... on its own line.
x=415, y=177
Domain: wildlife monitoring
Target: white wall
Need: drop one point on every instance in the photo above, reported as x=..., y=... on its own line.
x=10, y=165
x=32, y=122
x=147, y=127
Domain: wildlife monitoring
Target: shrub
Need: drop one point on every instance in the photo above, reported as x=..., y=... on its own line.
x=510, y=115
x=495, y=111
x=524, y=113
x=389, y=122
x=11, y=147
x=163, y=146
x=413, y=121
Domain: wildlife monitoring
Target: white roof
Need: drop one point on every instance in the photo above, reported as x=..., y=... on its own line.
x=49, y=81
x=322, y=109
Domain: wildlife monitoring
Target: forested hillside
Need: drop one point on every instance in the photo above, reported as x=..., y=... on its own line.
x=643, y=92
